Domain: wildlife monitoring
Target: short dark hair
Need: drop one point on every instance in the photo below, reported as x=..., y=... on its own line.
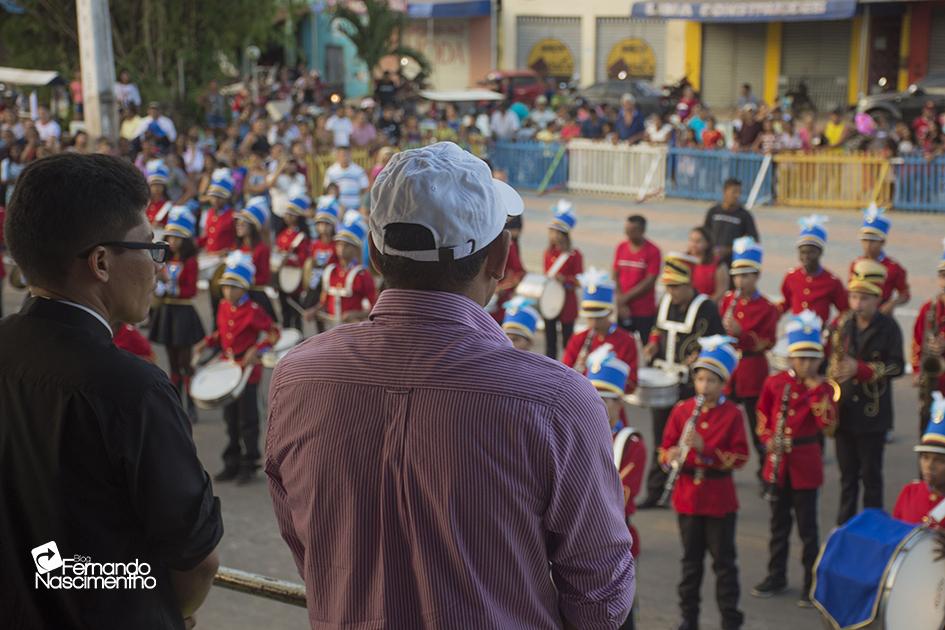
x=731, y=181
x=404, y=273
x=66, y=203
x=638, y=219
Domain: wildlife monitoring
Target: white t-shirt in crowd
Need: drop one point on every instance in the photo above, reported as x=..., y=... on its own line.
x=351, y=181
x=48, y=130
x=165, y=123
x=341, y=127
x=127, y=94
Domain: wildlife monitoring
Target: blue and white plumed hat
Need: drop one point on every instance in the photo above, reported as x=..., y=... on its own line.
x=520, y=317
x=606, y=372
x=240, y=271
x=563, y=219
x=746, y=256
x=255, y=212
x=941, y=261
x=157, y=172
x=597, y=299
x=717, y=355
x=813, y=231
x=327, y=210
x=299, y=205
x=181, y=222
x=804, y=336
x=353, y=229
x=221, y=184
x=933, y=440
x=875, y=224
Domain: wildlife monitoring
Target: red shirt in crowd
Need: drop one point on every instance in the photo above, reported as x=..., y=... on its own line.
x=758, y=319
x=703, y=277
x=238, y=329
x=816, y=291
x=570, y=271
x=631, y=266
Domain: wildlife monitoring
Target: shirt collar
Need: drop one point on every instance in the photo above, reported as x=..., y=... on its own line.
x=91, y=312
x=437, y=306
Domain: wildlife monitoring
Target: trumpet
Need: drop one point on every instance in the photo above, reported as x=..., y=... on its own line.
x=676, y=465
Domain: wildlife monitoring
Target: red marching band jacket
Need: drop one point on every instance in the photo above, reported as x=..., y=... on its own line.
x=916, y=500
x=809, y=412
x=816, y=292
x=157, y=211
x=630, y=460
x=625, y=347
x=219, y=232
x=514, y=272
x=758, y=319
x=182, y=278
x=261, y=260
x=919, y=333
x=706, y=487
x=239, y=328
x=573, y=267
x=896, y=278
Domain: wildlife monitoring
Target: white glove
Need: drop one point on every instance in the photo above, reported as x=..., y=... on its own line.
x=160, y=289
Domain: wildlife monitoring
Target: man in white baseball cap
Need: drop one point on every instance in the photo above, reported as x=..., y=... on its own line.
x=432, y=456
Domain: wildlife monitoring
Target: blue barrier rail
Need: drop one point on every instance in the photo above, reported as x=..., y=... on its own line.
x=527, y=163
x=920, y=184
x=699, y=174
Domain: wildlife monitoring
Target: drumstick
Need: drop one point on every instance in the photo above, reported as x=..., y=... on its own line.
x=295, y=306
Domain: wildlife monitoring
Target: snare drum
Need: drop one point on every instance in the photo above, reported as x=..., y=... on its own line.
x=778, y=357
x=288, y=339
x=207, y=264
x=878, y=573
x=219, y=383
x=547, y=293
x=290, y=279
x=655, y=388
x=275, y=261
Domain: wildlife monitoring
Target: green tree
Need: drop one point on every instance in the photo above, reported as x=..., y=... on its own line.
x=377, y=33
x=153, y=39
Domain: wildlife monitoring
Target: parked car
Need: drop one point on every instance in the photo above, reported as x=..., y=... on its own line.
x=523, y=86
x=906, y=105
x=650, y=100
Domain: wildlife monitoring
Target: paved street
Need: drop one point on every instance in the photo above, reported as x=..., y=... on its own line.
x=252, y=541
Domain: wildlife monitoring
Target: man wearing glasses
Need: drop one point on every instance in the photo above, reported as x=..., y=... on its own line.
x=96, y=458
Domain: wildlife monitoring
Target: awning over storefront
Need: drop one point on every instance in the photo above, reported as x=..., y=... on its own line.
x=746, y=10
x=39, y=78
x=449, y=9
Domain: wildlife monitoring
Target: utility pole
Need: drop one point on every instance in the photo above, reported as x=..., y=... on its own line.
x=97, y=61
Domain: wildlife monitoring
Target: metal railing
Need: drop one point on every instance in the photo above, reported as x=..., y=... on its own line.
x=833, y=180
x=532, y=165
x=260, y=586
x=700, y=174
x=920, y=184
x=638, y=170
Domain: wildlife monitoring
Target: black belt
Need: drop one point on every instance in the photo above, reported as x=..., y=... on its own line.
x=807, y=439
x=710, y=473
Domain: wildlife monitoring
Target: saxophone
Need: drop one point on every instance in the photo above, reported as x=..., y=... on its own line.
x=676, y=465
x=839, y=346
x=771, y=489
x=932, y=365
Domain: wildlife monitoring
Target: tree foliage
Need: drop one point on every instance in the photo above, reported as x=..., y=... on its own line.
x=377, y=33
x=148, y=37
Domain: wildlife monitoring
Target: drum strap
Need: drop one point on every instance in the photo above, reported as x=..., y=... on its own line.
x=620, y=442
x=348, y=289
x=558, y=264
x=674, y=328
x=297, y=241
x=162, y=212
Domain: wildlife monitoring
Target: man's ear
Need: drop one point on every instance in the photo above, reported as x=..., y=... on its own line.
x=497, y=255
x=98, y=263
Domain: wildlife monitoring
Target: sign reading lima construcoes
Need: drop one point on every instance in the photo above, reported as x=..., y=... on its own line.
x=746, y=10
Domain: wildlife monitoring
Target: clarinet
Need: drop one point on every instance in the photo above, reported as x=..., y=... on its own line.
x=677, y=464
x=581, y=360
x=771, y=490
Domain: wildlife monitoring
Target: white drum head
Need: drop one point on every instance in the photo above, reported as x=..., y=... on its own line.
x=290, y=279
x=917, y=597
x=531, y=286
x=653, y=377
x=216, y=381
x=552, y=300
x=288, y=338
x=275, y=261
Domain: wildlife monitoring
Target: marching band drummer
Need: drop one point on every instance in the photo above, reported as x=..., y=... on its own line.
x=609, y=375
x=219, y=232
x=810, y=286
x=563, y=263
x=928, y=341
x=321, y=251
x=752, y=320
x=704, y=495
x=347, y=284
x=521, y=322
x=176, y=324
x=251, y=225
x=917, y=498
x=514, y=270
x=597, y=307
x=240, y=322
x=795, y=407
x=159, y=205
x=873, y=235
x=293, y=243
x=865, y=355
x=682, y=318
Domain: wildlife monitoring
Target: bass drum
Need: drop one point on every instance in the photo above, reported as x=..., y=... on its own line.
x=290, y=279
x=547, y=293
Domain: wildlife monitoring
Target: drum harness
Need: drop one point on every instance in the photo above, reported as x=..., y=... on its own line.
x=337, y=293
x=674, y=328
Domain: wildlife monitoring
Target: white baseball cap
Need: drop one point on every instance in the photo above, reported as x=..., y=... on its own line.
x=447, y=190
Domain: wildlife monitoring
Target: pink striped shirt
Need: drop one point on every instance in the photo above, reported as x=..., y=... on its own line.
x=425, y=474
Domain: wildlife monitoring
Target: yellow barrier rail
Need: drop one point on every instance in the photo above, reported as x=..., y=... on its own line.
x=833, y=180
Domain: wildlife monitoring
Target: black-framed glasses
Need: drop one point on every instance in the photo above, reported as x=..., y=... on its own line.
x=159, y=250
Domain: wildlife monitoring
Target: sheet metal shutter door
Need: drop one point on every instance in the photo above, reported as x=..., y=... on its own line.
x=732, y=54
x=611, y=30
x=818, y=53
x=532, y=29
x=937, y=41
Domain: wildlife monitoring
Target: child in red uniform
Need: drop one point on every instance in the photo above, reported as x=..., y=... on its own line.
x=917, y=498
x=240, y=323
x=176, y=324
x=251, y=224
x=810, y=286
x=347, y=285
x=514, y=270
x=704, y=495
x=803, y=401
x=928, y=336
x=322, y=248
x=873, y=237
x=597, y=307
x=219, y=232
x=127, y=337
x=609, y=375
x=520, y=322
x=292, y=244
x=750, y=318
x=159, y=205
x=563, y=263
